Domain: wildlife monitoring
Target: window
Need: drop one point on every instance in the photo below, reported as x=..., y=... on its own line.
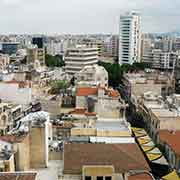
x=108, y=178
x=99, y=177
x=87, y=177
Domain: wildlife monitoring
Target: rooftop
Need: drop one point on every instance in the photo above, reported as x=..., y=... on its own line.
x=86, y=91
x=18, y=176
x=143, y=77
x=111, y=125
x=164, y=113
x=124, y=157
x=82, y=111
x=171, y=138
x=140, y=176
x=13, y=138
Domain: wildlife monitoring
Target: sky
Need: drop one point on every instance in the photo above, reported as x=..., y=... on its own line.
x=85, y=16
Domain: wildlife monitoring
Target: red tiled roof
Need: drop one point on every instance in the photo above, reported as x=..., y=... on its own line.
x=112, y=93
x=143, y=176
x=17, y=176
x=13, y=138
x=82, y=111
x=86, y=91
x=123, y=157
x=171, y=138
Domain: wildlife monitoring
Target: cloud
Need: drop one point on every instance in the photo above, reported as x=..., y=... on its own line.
x=11, y=2
x=85, y=16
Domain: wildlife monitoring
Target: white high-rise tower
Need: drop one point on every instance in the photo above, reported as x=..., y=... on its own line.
x=129, y=38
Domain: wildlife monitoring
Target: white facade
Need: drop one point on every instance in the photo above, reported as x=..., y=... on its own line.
x=129, y=38
x=93, y=76
x=11, y=92
x=79, y=57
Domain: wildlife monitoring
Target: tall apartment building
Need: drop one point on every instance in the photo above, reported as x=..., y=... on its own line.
x=158, y=59
x=57, y=48
x=38, y=41
x=35, y=54
x=146, y=48
x=129, y=38
x=79, y=57
x=112, y=46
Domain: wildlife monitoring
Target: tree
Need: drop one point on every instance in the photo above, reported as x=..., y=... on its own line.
x=54, y=61
x=58, y=85
x=116, y=71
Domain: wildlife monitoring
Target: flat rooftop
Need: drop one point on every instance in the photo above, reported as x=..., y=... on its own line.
x=163, y=113
x=111, y=125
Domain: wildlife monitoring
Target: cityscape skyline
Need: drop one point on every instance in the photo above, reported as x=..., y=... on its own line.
x=79, y=17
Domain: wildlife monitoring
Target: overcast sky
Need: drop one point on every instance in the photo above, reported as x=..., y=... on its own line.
x=85, y=16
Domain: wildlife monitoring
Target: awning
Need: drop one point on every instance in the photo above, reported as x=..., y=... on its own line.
x=140, y=134
x=154, y=151
x=147, y=148
x=135, y=129
x=153, y=157
x=143, y=141
x=161, y=161
x=151, y=144
x=145, y=137
x=171, y=176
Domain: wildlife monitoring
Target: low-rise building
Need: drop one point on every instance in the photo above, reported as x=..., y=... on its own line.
x=92, y=76
x=105, y=102
x=158, y=115
x=7, y=162
x=104, y=132
x=102, y=161
x=22, y=93
x=30, y=140
x=136, y=84
x=9, y=114
x=170, y=141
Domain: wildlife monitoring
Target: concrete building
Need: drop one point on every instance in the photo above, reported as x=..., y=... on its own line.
x=92, y=76
x=158, y=115
x=36, y=56
x=22, y=93
x=136, y=84
x=6, y=157
x=9, y=114
x=102, y=161
x=158, y=59
x=39, y=41
x=170, y=141
x=30, y=141
x=111, y=47
x=4, y=61
x=9, y=47
x=111, y=132
x=77, y=58
x=57, y=48
x=129, y=38
x=104, y=102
